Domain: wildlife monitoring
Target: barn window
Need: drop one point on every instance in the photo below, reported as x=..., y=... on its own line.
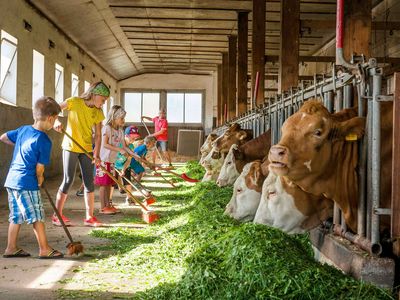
x=74, y=85
x=59, y=84
x=138, y=104
x=86, y=85
x=37, y=76
x=8, y=68
x=184, y=107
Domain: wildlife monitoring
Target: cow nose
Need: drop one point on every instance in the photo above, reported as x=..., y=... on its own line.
x=278, y=152
x=220, y=182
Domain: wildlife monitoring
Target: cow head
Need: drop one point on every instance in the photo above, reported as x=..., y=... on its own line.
x=234, y=135
x=308, y=139
x=318, y=152
x=206, y=147
x=246, y=193
x=285, y=206
x=229, y=172
x=212, y=166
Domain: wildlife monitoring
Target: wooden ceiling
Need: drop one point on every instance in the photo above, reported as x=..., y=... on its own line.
x=182, y=36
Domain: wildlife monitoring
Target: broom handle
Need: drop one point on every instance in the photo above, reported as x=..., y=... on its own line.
x=130, y=182
x=57, y=213
x=148, y=131
x=105, y=171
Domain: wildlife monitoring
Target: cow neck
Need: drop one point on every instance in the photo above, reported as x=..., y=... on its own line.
x=257, y=148
x=316, y=208
x=342, y=187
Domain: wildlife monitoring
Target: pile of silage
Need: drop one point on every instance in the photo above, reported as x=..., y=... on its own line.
x=248, y=261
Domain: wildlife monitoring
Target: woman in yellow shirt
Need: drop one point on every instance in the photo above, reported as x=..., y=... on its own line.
x=84, y=113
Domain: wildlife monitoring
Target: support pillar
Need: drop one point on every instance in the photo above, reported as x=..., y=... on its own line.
x=224, y=86
x=357, y=28
x=220, y=108
x=232, y=57
x=258, y=51
x=289, y=45
x=241, y=105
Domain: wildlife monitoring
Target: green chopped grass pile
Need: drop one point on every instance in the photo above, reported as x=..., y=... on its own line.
x=193, y=170
x=196, y=252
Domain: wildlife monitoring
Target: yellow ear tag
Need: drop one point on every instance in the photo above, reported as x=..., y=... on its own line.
x=351, y=137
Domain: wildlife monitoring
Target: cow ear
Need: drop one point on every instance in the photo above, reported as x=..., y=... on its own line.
x=345, y=114
x=350, y=130
x=234, y=127
x=264, y=167
x=258, y=175
x=242, y=135
x=237, y=154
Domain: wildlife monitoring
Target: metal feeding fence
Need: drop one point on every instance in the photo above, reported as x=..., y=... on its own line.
x=337, y=92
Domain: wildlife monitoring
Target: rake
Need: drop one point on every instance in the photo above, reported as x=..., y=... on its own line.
x=147, y=215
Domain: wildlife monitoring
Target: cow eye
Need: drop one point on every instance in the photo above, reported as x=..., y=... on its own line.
x=239, y=190
x=228, y=163
x=318, y=132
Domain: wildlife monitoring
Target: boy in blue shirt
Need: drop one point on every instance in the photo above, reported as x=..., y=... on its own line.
x=32, y=148
x=140, y=156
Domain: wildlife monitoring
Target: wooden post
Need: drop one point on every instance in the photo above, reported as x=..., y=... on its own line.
x=289, y=45
x=241, y=105
x=357, y=28
x=395, y=226
x=219, y=96
x=258, y=49
x=224, y=97
x=232, y=57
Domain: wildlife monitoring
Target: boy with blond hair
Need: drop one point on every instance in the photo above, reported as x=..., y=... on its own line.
x=32, y=148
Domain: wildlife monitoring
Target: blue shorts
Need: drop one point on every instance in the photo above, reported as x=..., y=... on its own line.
x=25, y=206
x=137, y=167
x=162, y=145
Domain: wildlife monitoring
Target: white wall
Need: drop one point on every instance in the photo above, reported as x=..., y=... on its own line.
x=178, y=82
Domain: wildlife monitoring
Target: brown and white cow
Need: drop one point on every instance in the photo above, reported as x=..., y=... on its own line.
x=240, y=155
x=246, y=193
x=318, y=151
x=220, y=147
x=207, y=146
x=285, y=206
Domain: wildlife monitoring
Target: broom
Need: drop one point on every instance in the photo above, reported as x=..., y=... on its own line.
x=72, y=247
x=148, y=216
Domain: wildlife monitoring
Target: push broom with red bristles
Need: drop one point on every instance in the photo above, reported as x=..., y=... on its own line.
x=148, y=216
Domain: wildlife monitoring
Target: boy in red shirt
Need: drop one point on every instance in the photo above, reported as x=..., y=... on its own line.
x=161, y=134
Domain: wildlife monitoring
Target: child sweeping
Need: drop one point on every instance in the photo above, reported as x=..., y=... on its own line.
x=132, y=137
x=113, y=141
x=32, y=148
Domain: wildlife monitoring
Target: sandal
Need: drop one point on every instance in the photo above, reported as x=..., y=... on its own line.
x=18, y=253
x=53, y=254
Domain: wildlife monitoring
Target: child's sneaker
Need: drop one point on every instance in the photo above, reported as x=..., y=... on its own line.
x=56, y=222
x=93, y=222
x=107, y=211
x=114, y=209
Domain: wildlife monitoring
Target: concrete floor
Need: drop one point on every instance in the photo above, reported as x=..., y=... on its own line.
x=33, y=278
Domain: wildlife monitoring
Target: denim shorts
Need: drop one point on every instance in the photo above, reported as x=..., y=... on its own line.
x=162, y=145
x=25, y=206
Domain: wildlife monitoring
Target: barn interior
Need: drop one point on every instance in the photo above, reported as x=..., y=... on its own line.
x=208, y=63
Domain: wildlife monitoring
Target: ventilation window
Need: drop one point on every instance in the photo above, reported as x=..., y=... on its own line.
x=8, y=68
x=37, y=76
x=74, y=85
x=59, y=84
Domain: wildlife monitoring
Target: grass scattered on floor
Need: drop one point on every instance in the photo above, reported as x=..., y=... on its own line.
x=195, y=252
